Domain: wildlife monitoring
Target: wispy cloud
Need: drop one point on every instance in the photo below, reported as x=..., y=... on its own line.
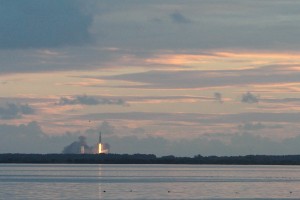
x=160, y=99
x=106, y=128
x=218, y=97
x=179, y=18
x=249, y=98
x=89, y=100
x=14, y=111
x=281, y=100
x=169, y=79
x=252, y=126
x=198, y=117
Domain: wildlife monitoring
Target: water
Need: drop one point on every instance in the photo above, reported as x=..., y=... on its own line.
x=52, y=181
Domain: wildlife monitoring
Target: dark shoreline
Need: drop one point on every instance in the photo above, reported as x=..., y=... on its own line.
x=149, y=159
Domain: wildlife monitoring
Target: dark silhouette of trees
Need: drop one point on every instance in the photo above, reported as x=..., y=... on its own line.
x=149, y=159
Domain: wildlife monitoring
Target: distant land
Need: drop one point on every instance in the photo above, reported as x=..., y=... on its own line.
x=149, y=159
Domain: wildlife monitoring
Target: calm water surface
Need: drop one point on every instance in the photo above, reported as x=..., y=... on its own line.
x=31, y=181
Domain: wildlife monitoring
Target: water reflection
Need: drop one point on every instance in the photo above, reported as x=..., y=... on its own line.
x=148, y=182
x=99, y=183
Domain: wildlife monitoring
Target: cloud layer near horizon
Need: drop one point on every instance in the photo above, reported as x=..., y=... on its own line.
x=30, y=138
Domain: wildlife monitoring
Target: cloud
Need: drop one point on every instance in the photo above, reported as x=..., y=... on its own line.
x=209, y=78
x=284, y=100
x=85, y=100
x=282, y=117
x=30, y=138
x=239, y=144
x=218, y=97
x=56, y=59
x=106, y=128
x=133, y=144
x=198, y=120
x=44, y=24
x=160, y=99
x=89, y=100
x=142, y=116
x=252, y=126
x=249, y=98
x=14, y=111
x=26, y=109
x=125, y=31
x=177, y=17
x=216, y=25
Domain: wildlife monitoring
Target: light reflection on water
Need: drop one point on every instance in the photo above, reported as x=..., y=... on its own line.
x=30, y=181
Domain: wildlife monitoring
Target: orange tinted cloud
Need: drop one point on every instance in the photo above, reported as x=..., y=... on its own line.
x=178, y=59
x=256, y=58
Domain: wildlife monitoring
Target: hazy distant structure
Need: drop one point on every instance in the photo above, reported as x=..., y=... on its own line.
x=81, y=147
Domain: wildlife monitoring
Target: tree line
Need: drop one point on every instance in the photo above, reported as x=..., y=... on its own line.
x=149, y=159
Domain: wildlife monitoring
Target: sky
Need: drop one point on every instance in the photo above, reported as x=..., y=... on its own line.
x=180, y=77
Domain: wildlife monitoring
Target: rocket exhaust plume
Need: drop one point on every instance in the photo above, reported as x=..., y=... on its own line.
x=100, y=144
x=99, y=148
x=102, y=147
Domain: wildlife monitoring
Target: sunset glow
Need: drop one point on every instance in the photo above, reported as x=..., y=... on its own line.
x=205, y=76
